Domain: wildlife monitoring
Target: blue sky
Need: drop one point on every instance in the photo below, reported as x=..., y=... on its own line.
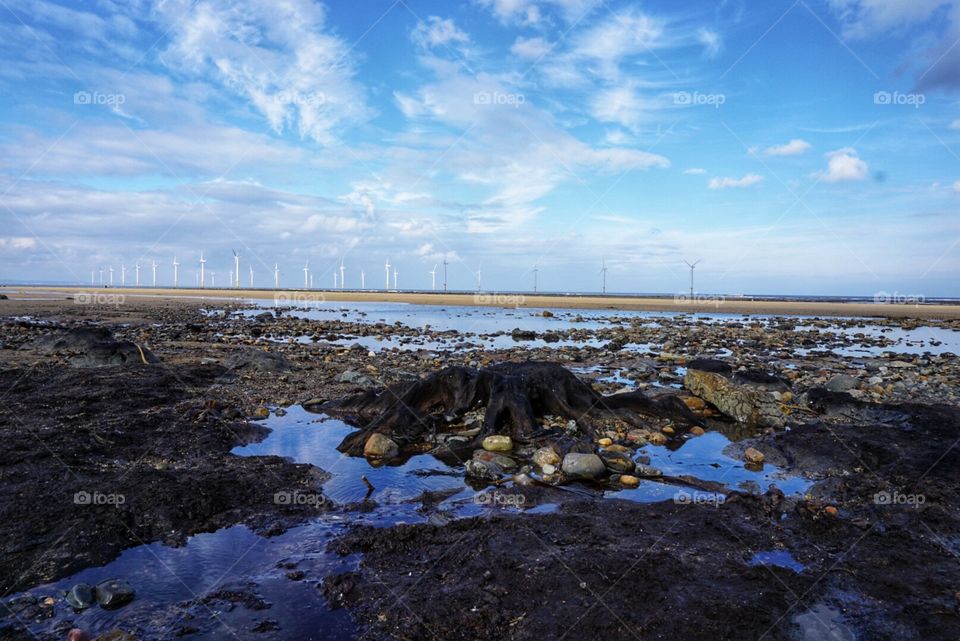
x=808, y=147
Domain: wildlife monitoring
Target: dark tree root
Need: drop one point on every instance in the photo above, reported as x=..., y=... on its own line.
x=515, y=395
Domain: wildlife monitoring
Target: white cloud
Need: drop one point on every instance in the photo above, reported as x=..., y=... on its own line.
x=14, y=243
x=843, y=165
x=956, y=187
x=792, y=148
x=530, y=48
x=726, y=183
x=710, y=41
x=694, y=171
x=278, y=55
x=619, y=105
x=955, y=125
x=864, y=18
x=531, y=12
x=437, y=32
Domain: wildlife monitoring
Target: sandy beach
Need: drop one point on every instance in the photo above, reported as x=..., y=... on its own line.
x=703, y=304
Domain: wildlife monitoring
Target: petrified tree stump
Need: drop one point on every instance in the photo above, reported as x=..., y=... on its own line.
x=514, y=396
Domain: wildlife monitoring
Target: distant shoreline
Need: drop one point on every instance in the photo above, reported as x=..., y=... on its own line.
x=700, y=304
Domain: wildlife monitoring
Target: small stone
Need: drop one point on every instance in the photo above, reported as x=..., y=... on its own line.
x=76, y=634
x=786, y=397
x=648, y=471
x=81, y=596
x=379, y=446
x=627, y=480
x=546, y=456
x=694, y=403
x=605, y=442
x=549, y=469
x=668, y=430
x=617, y=462
x=696, y=430
x=831, y=510
x=503, y=462
x=583, y=466
x=547, y=313
x=114, y=593
x=280, y=412
x=498, y=443
x=618, y=448
x=261, y=412
x=842, y=383
x=658, y=439
x=753, y=455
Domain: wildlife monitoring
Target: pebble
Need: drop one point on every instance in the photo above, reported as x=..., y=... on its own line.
x=647, y=470
x=380, y=446
x=696, y=430
x=605, y=442
x=498, y=443
x=261, y=412
x=753, y=455
x=627, y=480
x=114, y=593
x=694, y=403
x=668, y=430
x=549, y=469
x=546, y=456
x=583, y=466
x=81, y=596
x=831, y=510
x=617, y=461
x=658, y=439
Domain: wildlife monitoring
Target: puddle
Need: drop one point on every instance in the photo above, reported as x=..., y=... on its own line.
x=778, y=558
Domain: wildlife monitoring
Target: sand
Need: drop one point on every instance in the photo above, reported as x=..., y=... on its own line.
x=111, y=296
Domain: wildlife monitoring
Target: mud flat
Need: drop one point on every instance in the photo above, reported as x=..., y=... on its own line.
x=705, y=304
x=650, y=475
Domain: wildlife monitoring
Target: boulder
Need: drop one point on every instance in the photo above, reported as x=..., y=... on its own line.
x=583, y=466
x=379, y=446
x=747, y=399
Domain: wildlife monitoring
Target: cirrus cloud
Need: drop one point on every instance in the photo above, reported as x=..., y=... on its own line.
x=726, y=182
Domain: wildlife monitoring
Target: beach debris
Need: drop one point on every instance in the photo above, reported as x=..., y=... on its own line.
x=747, y=397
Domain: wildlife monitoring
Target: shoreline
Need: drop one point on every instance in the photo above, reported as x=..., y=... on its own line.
x=717, y=305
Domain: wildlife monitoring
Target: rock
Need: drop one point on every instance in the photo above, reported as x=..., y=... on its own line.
x=753, y=455
x=114, y=593
x=696, y=430
x=483, y=470
x=505, y=463
x=261, y=412
x=76, y=634
x=657, y=438
x=668, y=430
x=257, y=359
x=842, y=383
x=605, y=442
x=617, y=461
x=379, y=446
x=648, y=471
x=498, y=443
x=523, y=335
x=627, y=480
x=353, y=377
x=583, y=466
x=547, y=313
x=81, y=596
x=549, y=469
x=831, y=510
x=695, y=403
x=546, y=456
x=748, y=402
x=93, y=347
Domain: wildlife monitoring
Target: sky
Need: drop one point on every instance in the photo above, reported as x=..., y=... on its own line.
x=805, y=147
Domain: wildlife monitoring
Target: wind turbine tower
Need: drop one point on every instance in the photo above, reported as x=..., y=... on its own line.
x=386, y=266
x=137, y=268
x=251, y=277
x=154, y=265
x=175, y=273
x=363, y=283
x=306, y=274
x=395, y=279
x=123, y=275
x=203, y=262
x=692, y=266
x=603, y=270
x=479, y=280
x=236, y=268
x=433, y=278
x=276, y=276
x=111, y=276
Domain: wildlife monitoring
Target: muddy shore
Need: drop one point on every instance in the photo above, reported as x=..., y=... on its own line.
x=869, y=419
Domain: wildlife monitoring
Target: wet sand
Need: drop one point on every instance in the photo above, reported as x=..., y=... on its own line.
x=706, y=304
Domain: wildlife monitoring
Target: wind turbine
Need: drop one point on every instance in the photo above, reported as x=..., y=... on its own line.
x=236, y=267
x=386, y=266
x=202, y=263
x=692, y=266
x=306, y=274
x=123, y=275
x=479, y=280
x=603, y=270
x=154, y=265
x=535, y=272
x=433, y=278
x=276, y=276
x=251, y=276
x=395, y=279
x=341, y=272
x=111, y=276
x=137, y=266
x=175, y=273
x=363, y=284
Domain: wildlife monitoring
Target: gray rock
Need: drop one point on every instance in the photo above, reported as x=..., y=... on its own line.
x=483, y=470
x=354, y=378
x=617, y=462
x=842, y=383
x=257, y=359
x=583, y=466
x=114, y=593
x=81, y=596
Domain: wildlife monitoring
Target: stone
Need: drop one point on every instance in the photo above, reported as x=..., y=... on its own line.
x=379, y=446
x=483, y=470
x=831, y=510
x=261, y=412
x=546, y=456
x=695, y=403
x=753, y=455
x=583, y=466
x=81, y=596
x=657, y=439
x=549, y=469
x=114, y=593
x=648, y=471
x=76, y=634
x=842, y=383
x=498, y=443
x=353, y=377
x=752, y=403
x=547, y=313
x=623, y=449
x=668, y=430
x=696, y=430
x=605, y=442
x=503, y=462
x=626, y=480
x=617, y=461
